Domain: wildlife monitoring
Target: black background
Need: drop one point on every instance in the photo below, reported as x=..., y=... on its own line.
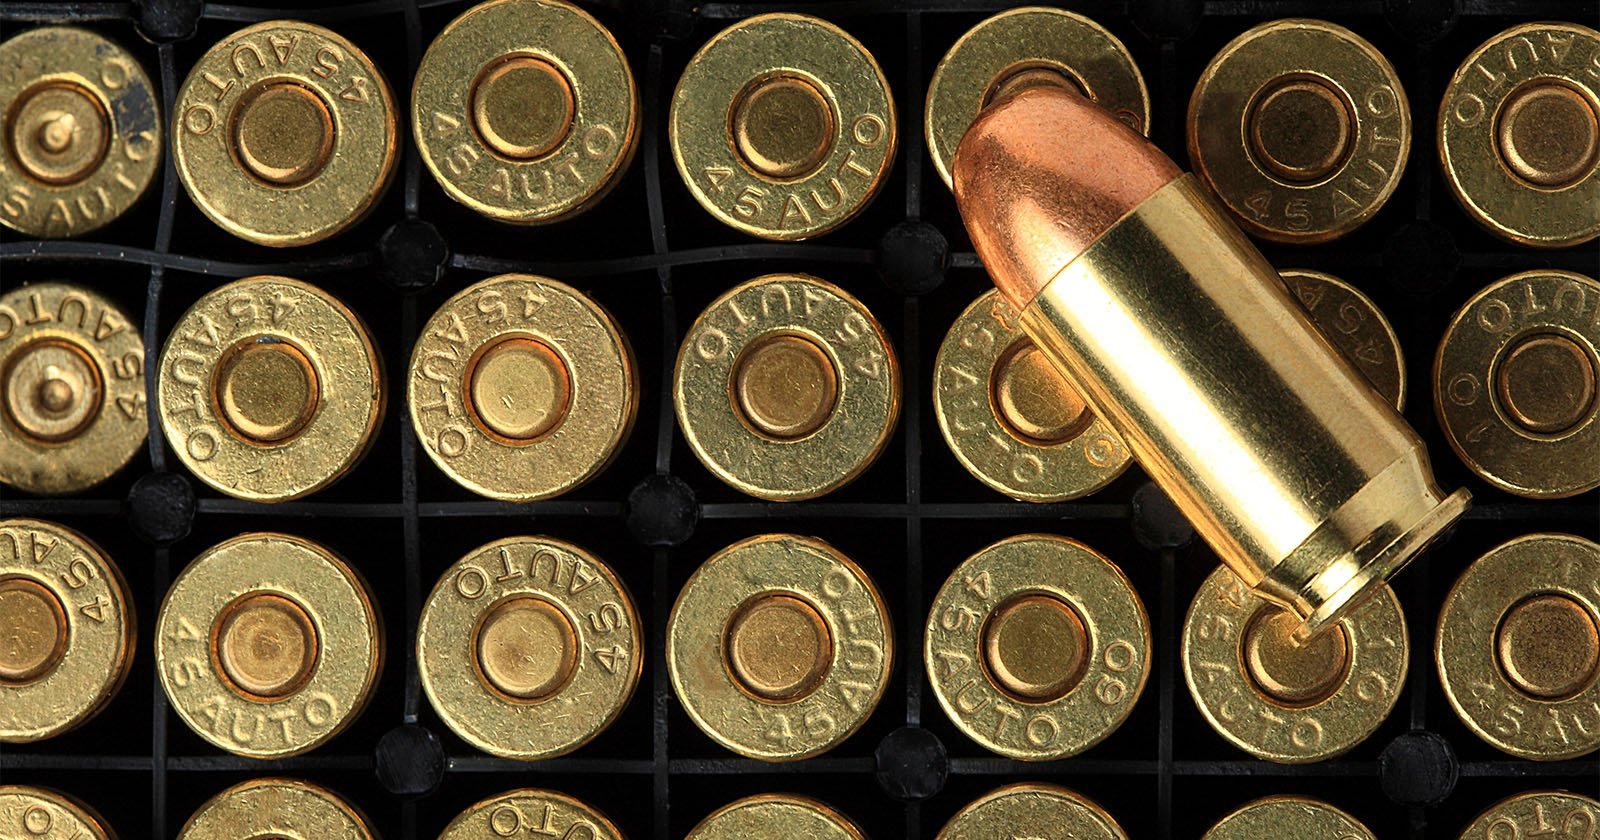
x=654, y=258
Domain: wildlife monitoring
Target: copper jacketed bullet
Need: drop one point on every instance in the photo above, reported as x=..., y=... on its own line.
x=1175, y=329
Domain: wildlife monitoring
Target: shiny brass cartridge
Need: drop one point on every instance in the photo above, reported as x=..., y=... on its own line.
x=1303, y=479
x=1518, y=647
x=786, y=387
x=779, y=647
x=522, y=388
x=1515, y=382
x=1037, y=647
x=285, y=134
x=1519, y=134
x=270, y=389
x=1301, y=130
x=529, y=647
x=783, y=126
x=525, y=110
x=268, y=645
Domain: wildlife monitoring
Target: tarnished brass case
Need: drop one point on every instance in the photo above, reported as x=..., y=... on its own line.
x=27, y=811
x=1299, y=475
x=1288, y=816
x=529, y=812
x=769, y=816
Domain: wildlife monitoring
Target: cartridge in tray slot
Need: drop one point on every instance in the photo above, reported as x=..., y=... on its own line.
x=1032, y=809
x=1519, y=134
x=1533, y=812
x=1037, y=647
x=1287, y=701
x=525, y=110
x=83, y=131
x=66, y=618
x=286, y=133
x=779, y=647
x=1301, y=129
x=268, y=645
x=275, y=807
x=27, y=811
x=72, y=377
x=786, y=387
x=1027, y=47
x=531, y=812
x=1011, y=419
x=522, y=388
x=270, y=389
x=783, y=127
x=1518, y=646
x=774, y=816
x=1515, y=384
x=529, y=629
x=1289, y=816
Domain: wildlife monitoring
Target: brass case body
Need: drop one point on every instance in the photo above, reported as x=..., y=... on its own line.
x=1301, y=478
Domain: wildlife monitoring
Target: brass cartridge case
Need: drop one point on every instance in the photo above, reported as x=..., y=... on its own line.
x=1304, y=480
x=1301, y=478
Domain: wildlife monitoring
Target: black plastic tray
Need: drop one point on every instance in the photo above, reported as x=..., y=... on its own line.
x=655, y=259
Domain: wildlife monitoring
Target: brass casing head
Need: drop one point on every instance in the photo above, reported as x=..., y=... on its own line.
x=525, y=110
x=270, y=389
x=1032, y=809
x=1518, y=647
x=1288, y=816
x=82, y=131
x=1283, y=700
x=1026, y=47
x=285, y=133
x=268, y=645
x=786, y=387
x=66, y=630
x=72, y=398
x=273, y=808
x=530, y=812
x=1303, y=480
x=1519, y=134
x=1011, y=418
x=1301, y=129
x=775, y=816
x=779, y=647
x=1352, y=323
x=783, y=127
x=522, y=388
x=1516, y=384
x=1534, y=812
x=525, y=630
x=1037, y=647
x=34, y=812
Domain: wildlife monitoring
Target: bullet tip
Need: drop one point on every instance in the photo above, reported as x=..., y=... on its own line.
x=1041, y=175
